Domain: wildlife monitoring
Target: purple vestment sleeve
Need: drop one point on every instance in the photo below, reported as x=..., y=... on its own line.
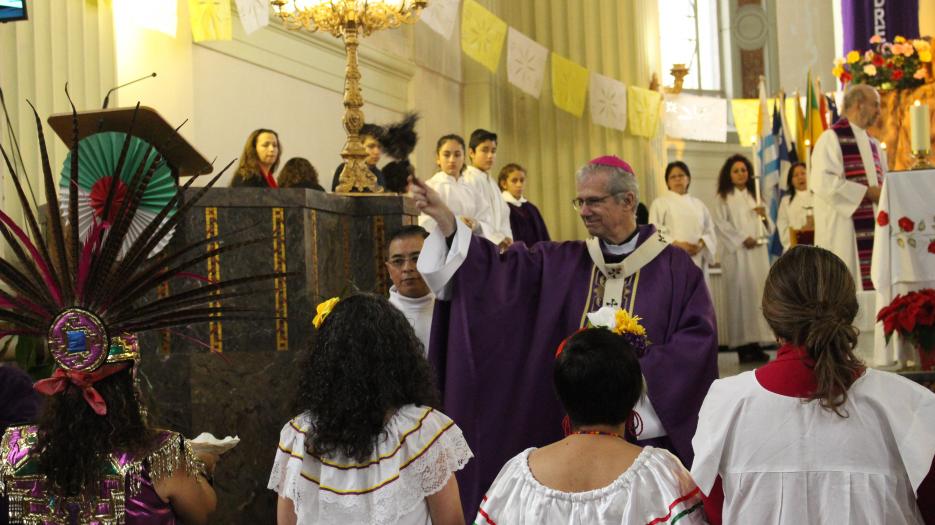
x=493, y=346
x=681, y=363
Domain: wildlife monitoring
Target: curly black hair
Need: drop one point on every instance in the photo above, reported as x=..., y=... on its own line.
x=365, y=364
x=74, y=441
x=724, y=184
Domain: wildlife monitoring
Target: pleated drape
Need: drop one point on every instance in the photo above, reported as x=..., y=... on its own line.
x=63, y=41
x=616, y=38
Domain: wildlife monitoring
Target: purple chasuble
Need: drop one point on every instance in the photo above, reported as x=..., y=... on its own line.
x=493, y=346
x=527, y=224
x=854, y=171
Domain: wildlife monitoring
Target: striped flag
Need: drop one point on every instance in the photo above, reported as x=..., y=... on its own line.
x=783, y=161
x=768, y=151
x=814, y=123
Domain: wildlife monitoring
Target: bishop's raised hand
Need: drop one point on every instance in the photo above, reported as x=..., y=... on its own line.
x=430, y=203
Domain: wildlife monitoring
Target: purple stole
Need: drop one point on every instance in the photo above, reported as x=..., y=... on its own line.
x=854, y=172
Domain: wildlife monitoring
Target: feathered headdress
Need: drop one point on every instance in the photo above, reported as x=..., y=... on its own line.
x=83, y=296
x=399, y=141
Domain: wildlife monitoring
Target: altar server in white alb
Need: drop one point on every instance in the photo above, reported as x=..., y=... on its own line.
x=482, y=150
x=846, y=177
x=816, y=437
x=795, y=208
x=684, y=220
x=460, y=197
x=409, y=292
x=741, y=224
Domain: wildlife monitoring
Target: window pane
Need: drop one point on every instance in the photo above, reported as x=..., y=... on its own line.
x=689, y=35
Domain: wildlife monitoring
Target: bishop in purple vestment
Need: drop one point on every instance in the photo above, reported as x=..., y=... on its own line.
x=501, y=316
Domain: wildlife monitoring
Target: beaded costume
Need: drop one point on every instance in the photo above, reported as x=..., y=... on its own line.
x=81, y=290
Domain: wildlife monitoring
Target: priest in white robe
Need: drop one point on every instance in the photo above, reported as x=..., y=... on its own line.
x=409, y=293
x=846, y=176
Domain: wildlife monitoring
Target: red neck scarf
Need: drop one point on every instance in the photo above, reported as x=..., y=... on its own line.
x=270, y=181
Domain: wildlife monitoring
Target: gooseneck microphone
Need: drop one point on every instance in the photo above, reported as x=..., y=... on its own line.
x=107, y=97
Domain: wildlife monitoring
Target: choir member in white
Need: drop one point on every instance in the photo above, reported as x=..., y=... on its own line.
x=459, y=196
x=684, y=220
x=742, y=225
x=816, y=436
x=409, y=292
x=795, y=208
x=482, y=150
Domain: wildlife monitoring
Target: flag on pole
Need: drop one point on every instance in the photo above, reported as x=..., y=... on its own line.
x=801, y=148
x=813, y=120
x=767, y=153
x=784, y=162
x=787, y=136
x=833, y=108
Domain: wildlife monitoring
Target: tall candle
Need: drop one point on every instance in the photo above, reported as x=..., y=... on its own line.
x=919, y=126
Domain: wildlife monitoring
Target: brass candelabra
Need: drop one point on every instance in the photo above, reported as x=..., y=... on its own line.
x=350, y=20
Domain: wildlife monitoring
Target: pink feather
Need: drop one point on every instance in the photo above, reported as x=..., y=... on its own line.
x=37, y=258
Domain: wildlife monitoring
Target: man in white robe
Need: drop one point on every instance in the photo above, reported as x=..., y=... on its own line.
x=482, y=150
x=836, y=196
x=409, y=293
x=846, y=177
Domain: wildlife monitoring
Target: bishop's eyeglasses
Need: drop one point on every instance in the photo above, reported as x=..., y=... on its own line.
x=591, y=202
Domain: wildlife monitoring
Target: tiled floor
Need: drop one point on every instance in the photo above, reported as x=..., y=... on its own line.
x=728, y=365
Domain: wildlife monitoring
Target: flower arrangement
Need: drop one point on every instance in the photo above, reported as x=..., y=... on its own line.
x=913, y=316
x=899, y=64
x=620, y=321
x=322, y=311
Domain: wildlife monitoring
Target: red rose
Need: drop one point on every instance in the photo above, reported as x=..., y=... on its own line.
x=846, y=77
x=897, y=74
x=883, y=218
x=906, y=224
x=932, y=247
x=877, y=60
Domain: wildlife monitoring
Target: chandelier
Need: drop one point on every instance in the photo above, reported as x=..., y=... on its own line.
x=350, y=19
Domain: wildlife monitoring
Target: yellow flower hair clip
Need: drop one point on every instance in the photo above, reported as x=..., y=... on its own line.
x=624, y=323
x=621, y=322
x=322, y=311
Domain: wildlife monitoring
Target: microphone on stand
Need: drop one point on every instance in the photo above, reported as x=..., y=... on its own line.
x=107, y=97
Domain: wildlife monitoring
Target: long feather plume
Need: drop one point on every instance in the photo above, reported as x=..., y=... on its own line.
x=74, y=234
x=56, y=238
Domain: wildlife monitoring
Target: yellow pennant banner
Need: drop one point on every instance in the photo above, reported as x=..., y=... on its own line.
x=482, y=35
x=643, y=106
x=569, y=85
x=746, y=114
x=211, y=19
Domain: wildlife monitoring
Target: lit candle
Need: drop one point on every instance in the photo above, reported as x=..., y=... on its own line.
x=919, y=127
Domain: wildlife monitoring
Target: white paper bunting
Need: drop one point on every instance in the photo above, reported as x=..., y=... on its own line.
x=691, y=117
x=608, y=102
x=525, y=62
x=254, y=14
x=441, y=16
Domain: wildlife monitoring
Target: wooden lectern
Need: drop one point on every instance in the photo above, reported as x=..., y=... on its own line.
x=182, y=158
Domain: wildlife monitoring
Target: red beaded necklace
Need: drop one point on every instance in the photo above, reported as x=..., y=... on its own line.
x=598, y=433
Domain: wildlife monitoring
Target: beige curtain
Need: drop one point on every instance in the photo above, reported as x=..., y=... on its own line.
x=616, y=38
x=63, y=41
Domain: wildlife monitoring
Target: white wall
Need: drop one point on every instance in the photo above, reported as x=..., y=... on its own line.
x=233, y=97
x=806, y=40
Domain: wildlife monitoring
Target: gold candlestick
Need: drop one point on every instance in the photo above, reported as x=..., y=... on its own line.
x=350, y=19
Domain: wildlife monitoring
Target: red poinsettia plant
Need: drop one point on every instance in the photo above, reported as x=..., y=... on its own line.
x=913, y=316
